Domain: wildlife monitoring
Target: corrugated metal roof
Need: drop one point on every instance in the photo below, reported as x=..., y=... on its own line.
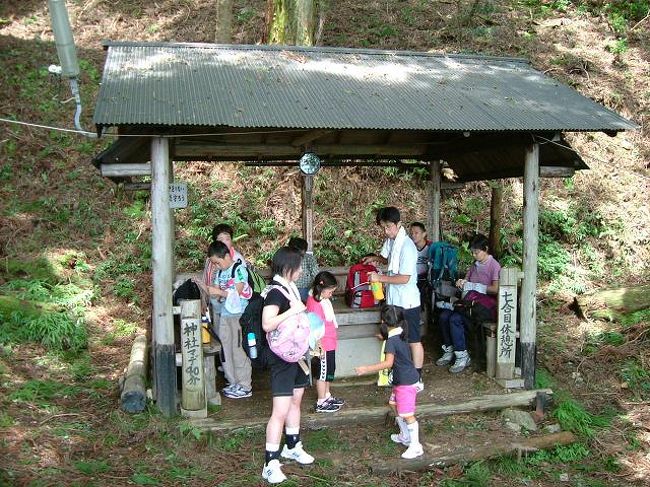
x=289, y=87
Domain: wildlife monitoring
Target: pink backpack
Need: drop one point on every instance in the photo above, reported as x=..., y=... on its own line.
x=290, y=340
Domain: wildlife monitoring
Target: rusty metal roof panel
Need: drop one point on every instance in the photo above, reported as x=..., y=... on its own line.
x=332, y=88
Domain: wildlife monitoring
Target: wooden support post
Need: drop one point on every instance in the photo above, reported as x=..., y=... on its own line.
x=490, y=350
x=164, y=353
x=496, y=219
x=308, y=210
x=134, y=395
x=435, y=190
x=507, y=323
x=211, y=394
x=193, y=400
x=528, y=328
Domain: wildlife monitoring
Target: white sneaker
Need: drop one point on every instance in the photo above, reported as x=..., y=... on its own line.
x=398, y=438
x=447, y=356
x=272, y=472
x=461, y=363
x=413, y=451
x=297, y=453
x=229, y=387
x=419, y=386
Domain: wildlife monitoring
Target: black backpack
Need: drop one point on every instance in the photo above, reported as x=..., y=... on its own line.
x=187, y=290
x=251, y=322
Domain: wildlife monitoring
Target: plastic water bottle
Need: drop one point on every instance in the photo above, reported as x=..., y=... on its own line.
x=252, y=345
x=205, y=334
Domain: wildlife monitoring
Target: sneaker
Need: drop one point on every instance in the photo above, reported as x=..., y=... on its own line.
x=419, y=386
x=462, y=361
x=238, y=392
x=402, y=440
x=297, y=453
x=229, y=387
x=447, y=356
x=413, y=451
x=272, y=472
x=327, y=407
x=336, y=401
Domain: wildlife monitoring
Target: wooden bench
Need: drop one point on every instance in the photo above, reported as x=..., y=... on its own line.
x=357, y=331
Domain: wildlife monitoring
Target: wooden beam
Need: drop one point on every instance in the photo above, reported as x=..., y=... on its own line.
x=260, y=151
x=125, y=170
x=162, y=318
x=309, y=137
x=378, y=414
x=435, y=190
x=357, y=163
x=134, y=395
x=466, y=454
x=556, y=172
x=308, y=210
x=136, y=186
x=528, y=320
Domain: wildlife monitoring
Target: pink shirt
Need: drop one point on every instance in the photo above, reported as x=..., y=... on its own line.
x=484, y=273
x=329, y=340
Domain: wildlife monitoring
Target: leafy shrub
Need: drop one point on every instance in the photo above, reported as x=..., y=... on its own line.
x=573, y=417
x=37, y=311
x=637, y=378
x=42, y=391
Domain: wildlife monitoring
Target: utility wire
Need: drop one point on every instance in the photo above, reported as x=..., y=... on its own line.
x=165, y=136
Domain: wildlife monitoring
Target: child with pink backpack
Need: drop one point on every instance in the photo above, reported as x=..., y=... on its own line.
x=288, y=379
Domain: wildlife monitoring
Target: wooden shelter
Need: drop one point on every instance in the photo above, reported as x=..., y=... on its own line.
x=483, y=117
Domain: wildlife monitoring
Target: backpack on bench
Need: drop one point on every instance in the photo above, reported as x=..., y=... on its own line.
x=357, y=287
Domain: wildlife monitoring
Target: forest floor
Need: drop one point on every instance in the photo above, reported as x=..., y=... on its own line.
x=61, y=224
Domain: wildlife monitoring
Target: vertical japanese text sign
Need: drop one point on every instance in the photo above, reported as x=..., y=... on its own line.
x=507, y=323
x=193, y=394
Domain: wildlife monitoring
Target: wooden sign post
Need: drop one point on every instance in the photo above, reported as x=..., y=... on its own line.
x=193, y=400
x=507, y=323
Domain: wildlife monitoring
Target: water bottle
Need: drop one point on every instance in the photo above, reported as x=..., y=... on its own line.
x=252, y=345
x=205, y=334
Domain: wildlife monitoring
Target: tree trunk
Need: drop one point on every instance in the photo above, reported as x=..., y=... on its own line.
x=291, y=22
x=611, y=304
x=279, y=16
x=305, y=22
x=223, y=30
x=496, y=220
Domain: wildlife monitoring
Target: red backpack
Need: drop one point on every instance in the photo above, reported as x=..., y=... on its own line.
x=357, y=288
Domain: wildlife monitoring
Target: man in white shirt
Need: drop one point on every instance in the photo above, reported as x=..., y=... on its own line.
x=401, y=255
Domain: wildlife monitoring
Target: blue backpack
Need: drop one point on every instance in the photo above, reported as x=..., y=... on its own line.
x=443, y=262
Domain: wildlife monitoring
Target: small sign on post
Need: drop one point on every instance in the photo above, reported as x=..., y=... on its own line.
x=178, y=195
x=507, y=323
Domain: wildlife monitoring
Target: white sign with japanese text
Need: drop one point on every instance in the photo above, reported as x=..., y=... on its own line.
x=178, y=195
x=506, y=330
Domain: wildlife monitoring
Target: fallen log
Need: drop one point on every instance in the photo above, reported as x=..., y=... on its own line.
x=611, y=304
x=473, y=454
x=134, y=395
x=379, y=414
